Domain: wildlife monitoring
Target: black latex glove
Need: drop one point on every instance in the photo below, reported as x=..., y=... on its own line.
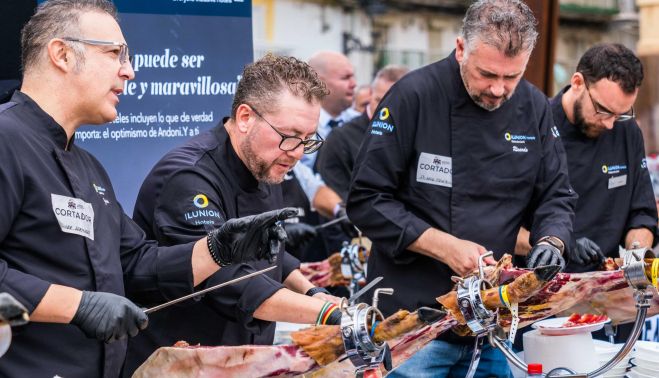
x=345, y=224
x=544, y=254
x=249, y=238
x=587, y=252
x=298, y=235
x=108, y=317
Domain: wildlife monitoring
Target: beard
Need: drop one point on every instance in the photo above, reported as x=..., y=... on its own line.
x=588, y=129
x=259, y=168
x=478, y=97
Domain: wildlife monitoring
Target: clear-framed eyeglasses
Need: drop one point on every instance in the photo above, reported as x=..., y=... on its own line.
x=124, y=54
x=291, y=142
x=605, y=114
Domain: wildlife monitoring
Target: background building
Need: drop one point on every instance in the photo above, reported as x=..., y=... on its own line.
x=374, y=33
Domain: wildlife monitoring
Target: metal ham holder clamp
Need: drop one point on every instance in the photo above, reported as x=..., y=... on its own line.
x=357, y=322
x=480, y=320
x=634, y=270
x=352, y=266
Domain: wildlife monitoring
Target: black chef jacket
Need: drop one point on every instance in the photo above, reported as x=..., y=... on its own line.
x=192, y=190
x=433, y=158
x=336, y=159
x=610, y=175
x=52, y=195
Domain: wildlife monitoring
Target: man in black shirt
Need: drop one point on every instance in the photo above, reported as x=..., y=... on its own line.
x=235, y=170
x=458, y=155
x=606, y=156
x=67, y=250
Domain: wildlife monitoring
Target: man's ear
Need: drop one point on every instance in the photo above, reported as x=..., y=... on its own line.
x=577, y=81
x=59, y=54
x=459, y=49
x=244, y=117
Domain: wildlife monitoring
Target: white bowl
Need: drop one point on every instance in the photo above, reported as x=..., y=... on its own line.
x=648, y=364
x=644, y=370
x=647, y=350
x=634, y=373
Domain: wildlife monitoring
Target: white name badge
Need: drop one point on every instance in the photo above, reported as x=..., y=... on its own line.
x=435, y=170
x=618, y=181
x=74, y=215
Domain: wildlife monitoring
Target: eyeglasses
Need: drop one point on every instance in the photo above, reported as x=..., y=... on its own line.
x=124, y=55
x=291, y=142
x=606, y=114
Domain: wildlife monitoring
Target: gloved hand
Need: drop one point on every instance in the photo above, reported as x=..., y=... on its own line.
x=587, y=252
x=298, y=235
x=108, y=317
x=345, y=224
x=253, y=237
x=544, y=254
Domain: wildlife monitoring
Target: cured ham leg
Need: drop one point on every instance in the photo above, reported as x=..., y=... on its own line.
x=325, y=273
x=603, y=290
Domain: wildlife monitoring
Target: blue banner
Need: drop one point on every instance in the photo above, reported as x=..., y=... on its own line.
x=187, y=57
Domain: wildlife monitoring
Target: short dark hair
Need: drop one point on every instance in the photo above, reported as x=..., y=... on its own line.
x=56, y=19
x=264, y=79
x=507, y=25
x=612, y=61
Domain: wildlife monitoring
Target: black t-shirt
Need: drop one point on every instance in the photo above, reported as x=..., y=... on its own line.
x=611, y=177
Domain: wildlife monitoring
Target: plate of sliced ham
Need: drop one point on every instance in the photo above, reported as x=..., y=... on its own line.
x=576, y=323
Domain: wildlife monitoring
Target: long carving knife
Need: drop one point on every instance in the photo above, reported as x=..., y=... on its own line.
x=223, y=284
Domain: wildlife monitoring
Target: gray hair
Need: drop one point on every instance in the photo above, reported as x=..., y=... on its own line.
x=507, y=25
x=57, y=19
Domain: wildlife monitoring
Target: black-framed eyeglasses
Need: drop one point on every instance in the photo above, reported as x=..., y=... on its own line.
x=124, y=54
x=605, y=113
x=291, y=142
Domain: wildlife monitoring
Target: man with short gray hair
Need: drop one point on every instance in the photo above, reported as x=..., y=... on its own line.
x=458, y=156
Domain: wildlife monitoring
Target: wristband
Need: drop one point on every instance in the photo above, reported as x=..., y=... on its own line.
x=554, y=242
x=315, y=290
x=210, y=241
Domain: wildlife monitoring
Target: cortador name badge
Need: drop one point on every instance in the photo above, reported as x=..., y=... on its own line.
x=435, y=170
x=74, y=215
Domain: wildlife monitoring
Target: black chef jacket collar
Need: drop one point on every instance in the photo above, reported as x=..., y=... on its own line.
x=246, y=179
x=44, y=120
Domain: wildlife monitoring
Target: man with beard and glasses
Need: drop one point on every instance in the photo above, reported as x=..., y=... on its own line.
x=234, y=170
x=606, y=156
x=458, y=156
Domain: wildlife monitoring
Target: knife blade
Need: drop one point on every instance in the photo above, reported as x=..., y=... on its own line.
x=363, y=290
x=223, y=284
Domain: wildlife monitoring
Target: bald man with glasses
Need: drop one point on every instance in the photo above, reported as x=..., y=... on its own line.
x=606, y=156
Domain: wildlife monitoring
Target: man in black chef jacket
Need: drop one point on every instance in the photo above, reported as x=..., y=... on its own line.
x=606, y=156
x=458, y=155
x=606, y=159
x=67, y=250
x=234, y=170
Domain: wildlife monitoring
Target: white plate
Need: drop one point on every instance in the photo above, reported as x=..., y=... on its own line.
x=554, y=327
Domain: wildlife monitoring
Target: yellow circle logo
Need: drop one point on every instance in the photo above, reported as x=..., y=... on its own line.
x=384, y=114
x=605, y=169
x=507, y=136
x=200, y=200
